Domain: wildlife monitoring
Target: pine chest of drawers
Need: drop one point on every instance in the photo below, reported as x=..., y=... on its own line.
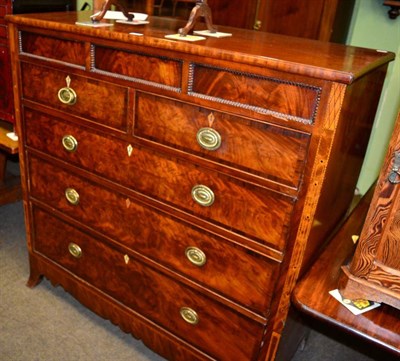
x=179, y=189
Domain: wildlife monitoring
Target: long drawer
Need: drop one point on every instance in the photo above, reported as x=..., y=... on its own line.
x=247, y=209
x=273, y=152
x=212, y=261
x=195, y=318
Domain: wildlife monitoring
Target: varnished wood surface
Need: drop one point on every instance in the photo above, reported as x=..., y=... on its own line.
x=161, y=298
x=380, y=326
x=6, y=98
x=374, y=272
x=262, y=49
x=130, y=181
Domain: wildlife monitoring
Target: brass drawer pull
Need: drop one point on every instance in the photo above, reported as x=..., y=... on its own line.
x=69, y=143
x=203, y=195
x=208, y=138
x=72, y=196
x=196, y=256
x=67, y=95
x=75, y=250
x=189, y=315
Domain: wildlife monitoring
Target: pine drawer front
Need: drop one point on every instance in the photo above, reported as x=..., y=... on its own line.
x=195, y=318
x=257, y=212
x=266, y=150
x=101, y=102
x=266, y=95
x=46, y=47
x=231, y=270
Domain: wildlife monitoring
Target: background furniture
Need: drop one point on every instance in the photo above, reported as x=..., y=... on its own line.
x=6, y=99
x=184, y=199
x=379, y=327
x=10, y=185
x=374, y=272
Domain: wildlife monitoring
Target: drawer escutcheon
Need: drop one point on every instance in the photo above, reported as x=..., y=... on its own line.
x=208, y=138
x=203, y=195
x=189, y=315
x=72, y=196
x=196, y=256
x=75, y=250
x=67, y=95
x=69, y=143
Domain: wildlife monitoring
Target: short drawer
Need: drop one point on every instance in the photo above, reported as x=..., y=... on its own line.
x=266, y=95
x=212, y=261
x=137, y=66
x=250, y=210
x=95, y=100
x=190, y=315
x=270, y=151
x=68, y=51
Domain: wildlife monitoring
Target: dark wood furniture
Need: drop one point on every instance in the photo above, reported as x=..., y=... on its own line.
x=326, y=20
x=6, y=98
x=374, y=271
x=10, y=185
x=178, y=189
x=381, y=326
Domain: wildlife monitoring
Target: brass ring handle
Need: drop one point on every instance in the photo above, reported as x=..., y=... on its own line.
x=67, y=95
x=196, y=256
x=203, y=195
x=75, y=250
x=69, y=143
x=208, y=138
x=72, y=196
x=189, y=315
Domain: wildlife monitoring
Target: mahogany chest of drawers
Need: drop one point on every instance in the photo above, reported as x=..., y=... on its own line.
x=178, y=189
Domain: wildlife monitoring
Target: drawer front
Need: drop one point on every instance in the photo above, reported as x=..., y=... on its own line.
x=64, y=50
x=247, y=209
x=149, y=69
x=292, y=100
x=207, y=324
x=3, y=31
x=98, y=101
x=212, y=261
x=273, y=152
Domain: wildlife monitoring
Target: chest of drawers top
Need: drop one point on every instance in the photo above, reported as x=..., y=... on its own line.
x=292, y=55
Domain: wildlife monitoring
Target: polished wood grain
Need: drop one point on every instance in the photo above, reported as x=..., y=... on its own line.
x=68, y=51
x=151, y=68
x=380, y=326
x=6, y=99
x=374, y=272
x=106, y=97
x=137, y=162
x=272, y=152
x=230, y=269
x=160, y=299
x=266, y=50
x=244, y=208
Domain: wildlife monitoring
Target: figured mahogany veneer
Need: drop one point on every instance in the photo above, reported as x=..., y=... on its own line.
x=180, y=189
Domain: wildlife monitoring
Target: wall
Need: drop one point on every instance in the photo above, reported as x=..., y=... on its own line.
x=372, y=28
